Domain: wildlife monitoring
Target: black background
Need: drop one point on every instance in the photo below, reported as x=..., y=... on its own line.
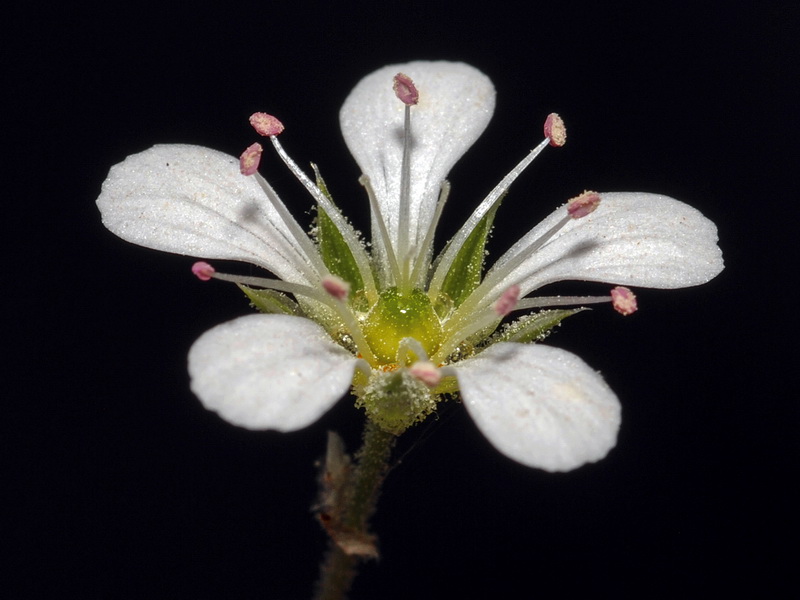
x=120, y=485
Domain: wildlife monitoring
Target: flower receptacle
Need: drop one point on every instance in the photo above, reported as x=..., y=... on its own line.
x=396, y=316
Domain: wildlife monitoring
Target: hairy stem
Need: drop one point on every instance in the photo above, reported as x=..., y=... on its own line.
x=348, y=502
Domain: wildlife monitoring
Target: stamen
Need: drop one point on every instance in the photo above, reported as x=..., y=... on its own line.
x=407, y=93
x=426, y=372
x=426, y=248
x=488, y=290
x=203, y=271
x=577, y=207
x=507, y=302
x=550, y=301
x=359, y=254
x=624, y=301
x=364, y=367
x=580, y=206
x=250, y=159
x=458, y=330
x=405, y=90
x=311, y=263
x=555, y=130
x=450, y=253
x=336, y=286
x=409, y=344
x=265, y=124
x=378, y=219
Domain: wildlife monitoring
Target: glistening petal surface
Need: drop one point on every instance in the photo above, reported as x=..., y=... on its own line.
x=192, y=200
x=638, y=239
x=540, y=406
x=456, y=103
x=269, y=371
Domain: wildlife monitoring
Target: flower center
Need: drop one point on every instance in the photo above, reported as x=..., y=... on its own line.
x=399, y=315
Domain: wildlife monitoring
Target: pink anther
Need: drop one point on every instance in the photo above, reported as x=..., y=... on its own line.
x=507, y=302
x=580, y=206
x=623, y=300
x=250, y=159
x=265, y=124
x=555, y=130
x=405, y=90
x=336, y=287
x=203, y=271
x=426, y=372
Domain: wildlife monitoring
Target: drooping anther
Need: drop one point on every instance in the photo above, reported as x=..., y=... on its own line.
x=336, y=286
x=580, y=206
x=507, y=302
x=555, y=130
x=250, y=159
x=265, y=124
x=203, y=271
x=623, y=300
x=405, y=90
x=427, y=372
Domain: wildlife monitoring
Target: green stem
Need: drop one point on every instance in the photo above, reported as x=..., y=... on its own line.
x=358, y=502
x=337, y=574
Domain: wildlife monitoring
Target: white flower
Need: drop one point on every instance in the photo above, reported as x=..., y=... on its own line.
x=397, y=327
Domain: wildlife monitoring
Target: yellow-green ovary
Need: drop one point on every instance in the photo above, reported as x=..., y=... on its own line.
x=396, y=316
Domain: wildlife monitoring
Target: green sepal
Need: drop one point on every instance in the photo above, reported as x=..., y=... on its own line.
x=447, y=387
x=534, y=327
x=271, y=302
x=464, y=274
x=335, y=252
x=395, y=400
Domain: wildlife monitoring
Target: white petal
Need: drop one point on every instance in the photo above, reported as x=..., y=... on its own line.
x=192, y=200
x=541, y=406
x=269, y=371
x=635, y=239
x=456, y=103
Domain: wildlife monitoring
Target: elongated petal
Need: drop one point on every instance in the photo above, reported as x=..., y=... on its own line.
x=269, y=371
x=192, y=200
x=637, y=239
x=541, y=406
x=456, y=103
